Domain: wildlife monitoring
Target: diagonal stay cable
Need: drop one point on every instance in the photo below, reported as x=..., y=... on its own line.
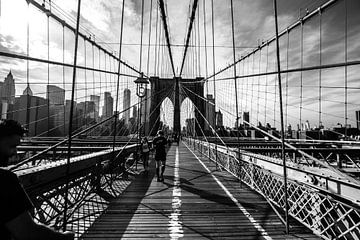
x=192, y=18
x=163, y=16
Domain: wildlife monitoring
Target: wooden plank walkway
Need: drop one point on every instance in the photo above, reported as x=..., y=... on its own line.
x=190, y=204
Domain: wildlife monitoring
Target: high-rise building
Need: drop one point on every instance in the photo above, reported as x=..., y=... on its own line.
x=126, y=105
x=135, y=113
x=145, y=109
x=210, y=112
x=219, y=119
x=33, y=115
x=358, y=119
x=57, y=120
x=75, y=119
x=8, y=89
x=28, y=91
x=55, y=94
x=108, y=105
x=96, y=100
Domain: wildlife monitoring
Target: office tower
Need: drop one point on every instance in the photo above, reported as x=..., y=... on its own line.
x=8, y=89
x=57, y=120
x=108, y=105
x=210, y=112
x=145, y=110
x=96, y=100
x=219, y=119
x=358, y=119
x=55, y=94
x=126, y=105
x=33, y=115
x=135, y=113
x=28, y=91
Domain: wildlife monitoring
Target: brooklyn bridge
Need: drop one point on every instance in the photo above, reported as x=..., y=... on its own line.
x=259, y=102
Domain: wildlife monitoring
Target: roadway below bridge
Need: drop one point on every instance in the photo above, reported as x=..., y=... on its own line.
x=196, y=201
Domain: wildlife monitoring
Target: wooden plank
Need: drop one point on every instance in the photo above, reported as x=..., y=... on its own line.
x=189, y=205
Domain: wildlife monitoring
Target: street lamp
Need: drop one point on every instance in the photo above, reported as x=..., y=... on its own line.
x=141, y=83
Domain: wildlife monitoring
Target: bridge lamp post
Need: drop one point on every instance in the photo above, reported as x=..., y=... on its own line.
x=141, y=84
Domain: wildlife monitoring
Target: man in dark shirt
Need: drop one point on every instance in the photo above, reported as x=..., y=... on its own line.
x=159, y=143
x=15, y=205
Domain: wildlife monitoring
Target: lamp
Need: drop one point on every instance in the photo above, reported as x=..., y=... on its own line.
x=141, y=83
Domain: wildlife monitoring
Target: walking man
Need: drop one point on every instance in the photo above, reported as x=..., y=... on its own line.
x=159, y=143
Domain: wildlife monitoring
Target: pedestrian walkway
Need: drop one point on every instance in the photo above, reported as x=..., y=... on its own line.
x=194, y=202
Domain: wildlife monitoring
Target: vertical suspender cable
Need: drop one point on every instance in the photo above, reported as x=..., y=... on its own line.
x=85, y=107
x=213, y=54
x=199, y=40
x=346, y=69
x=266, y=81
x=141, y=34
x=71, y=116
x=156, y=41
x=63, y=74
x=48, y=73
x=148, y=66
x=27, y=68
x=140, y=67
x=320, y=62
x=287, y=77
x=93, y=78
x=258, y=90
x=301, y=72
x=205, y=45
x=281, y=119
x=234, y=59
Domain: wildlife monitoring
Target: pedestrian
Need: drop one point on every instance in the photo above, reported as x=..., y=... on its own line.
x=15, y=206
x=159, y=144
x=145, y=150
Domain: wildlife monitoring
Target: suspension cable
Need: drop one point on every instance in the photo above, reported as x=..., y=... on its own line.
x=192, y=18
x=163, y=16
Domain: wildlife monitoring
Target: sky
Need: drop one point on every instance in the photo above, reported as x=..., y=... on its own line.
x=254, y=23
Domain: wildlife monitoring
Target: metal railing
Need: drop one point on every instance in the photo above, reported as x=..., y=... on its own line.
x=94, y=179
x=328, y=215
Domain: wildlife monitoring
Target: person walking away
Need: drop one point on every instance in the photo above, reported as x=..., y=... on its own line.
x=16, y=221
x=159, y=143
x=145, y=150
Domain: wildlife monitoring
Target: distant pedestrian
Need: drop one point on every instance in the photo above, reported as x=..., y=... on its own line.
x=159, y=144
x=145, y=149
x=15, y=205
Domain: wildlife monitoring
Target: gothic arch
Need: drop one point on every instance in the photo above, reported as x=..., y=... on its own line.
x=174, y=90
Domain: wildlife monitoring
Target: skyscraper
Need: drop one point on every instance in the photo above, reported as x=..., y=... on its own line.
x=210, y=112
x=8, y=89
x=96, y=100
x=145, y=110
x=358, y=119
x=126, y=105
x=108, y=105
x=55, y=94
x=33, y=114
x=135, y=113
